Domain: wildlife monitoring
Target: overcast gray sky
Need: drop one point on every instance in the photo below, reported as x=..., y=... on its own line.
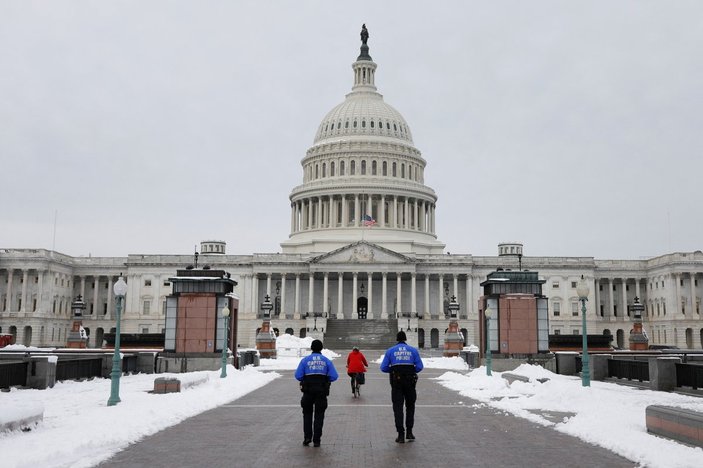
x=574, y=127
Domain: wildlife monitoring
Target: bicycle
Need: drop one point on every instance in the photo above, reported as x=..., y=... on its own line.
x=356, y=383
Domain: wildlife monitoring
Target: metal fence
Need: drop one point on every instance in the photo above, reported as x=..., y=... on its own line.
x=13, y=373
x=628, y=369
x=74, y=369
x=689, y=375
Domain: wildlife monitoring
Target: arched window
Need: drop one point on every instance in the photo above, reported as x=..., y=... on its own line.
x=363, y=167
x=352, y=168
x=395, y=128
x=363, y=124
x=373, y=167
x=346, y=124
x=355, y=124
x=324, y=169
x=341, y=168
x=402, y=171
x=332, y=169
x=388, y=126
x=317, y=171
x=380, y=125
x=393, y=170
x=385, y=168
x=372, y=124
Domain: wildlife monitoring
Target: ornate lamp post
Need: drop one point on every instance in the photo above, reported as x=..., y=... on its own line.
x=488, y=313
x=120, y=290
x=266, y=338
x=225, y=315
x=638, y=338
x=77, y=337
x=582, y=292
x=453, y=339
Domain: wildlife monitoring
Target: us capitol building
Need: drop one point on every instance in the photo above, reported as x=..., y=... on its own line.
x=362, y=245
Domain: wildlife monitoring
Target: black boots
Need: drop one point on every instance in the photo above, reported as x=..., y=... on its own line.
x=401, y=437
x=306, y=442
x=409, y=435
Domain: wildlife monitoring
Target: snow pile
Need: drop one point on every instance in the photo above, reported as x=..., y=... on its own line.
x=605, y=414
x=452, y=363
x=80, y=430
x=23, y=348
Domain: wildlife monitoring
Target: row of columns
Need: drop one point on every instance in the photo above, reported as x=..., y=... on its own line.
x=331, y=211
x=251, y=285
x=39, y=291
x=690, y=304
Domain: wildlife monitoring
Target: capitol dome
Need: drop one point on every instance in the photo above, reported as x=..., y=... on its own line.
x=363, y=114
x=363, y=178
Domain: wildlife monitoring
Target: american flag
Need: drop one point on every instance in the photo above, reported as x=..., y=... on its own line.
x=368, y=220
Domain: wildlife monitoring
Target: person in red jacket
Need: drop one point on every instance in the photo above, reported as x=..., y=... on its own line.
x=356, y=364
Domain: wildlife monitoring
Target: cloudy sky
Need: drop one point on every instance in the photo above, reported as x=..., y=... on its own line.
x=145, y=127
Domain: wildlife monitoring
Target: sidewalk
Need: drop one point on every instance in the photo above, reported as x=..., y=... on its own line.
x=264, y=429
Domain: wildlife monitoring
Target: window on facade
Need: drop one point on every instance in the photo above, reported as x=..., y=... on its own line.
x=346, y=124
x=373, y=167
x=363, y=124
x=92, y=308
x=372, y=124
x=683, y=306
x=317, y=171
x=555, y=284
x=402, y=171
x=363, y=167
x=19, y=304
x=388, y=126
x=600, y=287
x=601, y=310
x=557, y=308
x=574, y=309
x=557, y=331
x=147, y=282
x=36, y=279
x=341, y=168
x=324, y=169
x=105, y=308
x=573, y=285
x=393, y=170
x=681, y=282
x=355, y=124
x=627, y=287
x=145, y=330
x=332, y=169
x=385, y=168
x=614, y=289
x=147, y=306
x=352, y=168
x=34, y=305
x=575, y=331
x=615, y=310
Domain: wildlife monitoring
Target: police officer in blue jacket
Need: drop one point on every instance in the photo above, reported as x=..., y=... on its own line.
x=403, y=362
x=315, y=373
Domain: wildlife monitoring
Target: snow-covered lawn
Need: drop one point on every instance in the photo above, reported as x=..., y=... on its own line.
x=606, y=414
x=80, y=430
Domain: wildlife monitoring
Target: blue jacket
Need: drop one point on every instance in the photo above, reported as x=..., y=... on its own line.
x=316, y=364
x=401, y=355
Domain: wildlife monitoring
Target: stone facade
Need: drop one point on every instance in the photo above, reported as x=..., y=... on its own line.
x=362, y=239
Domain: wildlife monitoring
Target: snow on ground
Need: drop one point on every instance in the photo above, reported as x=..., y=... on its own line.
x=80, y=430
x=606, y=414
x=289, y=351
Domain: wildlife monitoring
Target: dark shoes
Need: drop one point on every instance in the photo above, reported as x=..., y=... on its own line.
x=409, y=435
x=401, y=437
x=306, y=442
x=316, y=444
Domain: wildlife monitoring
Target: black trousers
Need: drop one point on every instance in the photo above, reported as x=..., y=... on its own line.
x=314, y=406
x=403, y=393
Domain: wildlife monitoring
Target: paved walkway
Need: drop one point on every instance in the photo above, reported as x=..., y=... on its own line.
x=264, y=429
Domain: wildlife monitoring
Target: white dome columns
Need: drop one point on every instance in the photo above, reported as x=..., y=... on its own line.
x=364, y=76
x=342, y=211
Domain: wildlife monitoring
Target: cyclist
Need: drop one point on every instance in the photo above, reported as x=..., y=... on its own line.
x=356, y=366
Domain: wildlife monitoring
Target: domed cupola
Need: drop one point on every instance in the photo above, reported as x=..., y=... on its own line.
x=363, y=178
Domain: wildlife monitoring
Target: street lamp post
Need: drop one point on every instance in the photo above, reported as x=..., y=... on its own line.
x=120, y=290
x=225, y=315
x=488, y=313
x=582, y=292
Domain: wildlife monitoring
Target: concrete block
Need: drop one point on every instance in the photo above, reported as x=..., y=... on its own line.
x=566, y=362
x=41, y=372
x=662, y=373
x=679, y=424
x=167, y=385
x=510, y=377
x=598, y=365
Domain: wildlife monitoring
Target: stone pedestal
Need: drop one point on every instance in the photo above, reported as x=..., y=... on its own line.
x=453, y=340
x=566, y=363
x=598, y=364
x=316, y=327
x=266, y=341
x=662, y=373
x=76, y=336
x=638, y=340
